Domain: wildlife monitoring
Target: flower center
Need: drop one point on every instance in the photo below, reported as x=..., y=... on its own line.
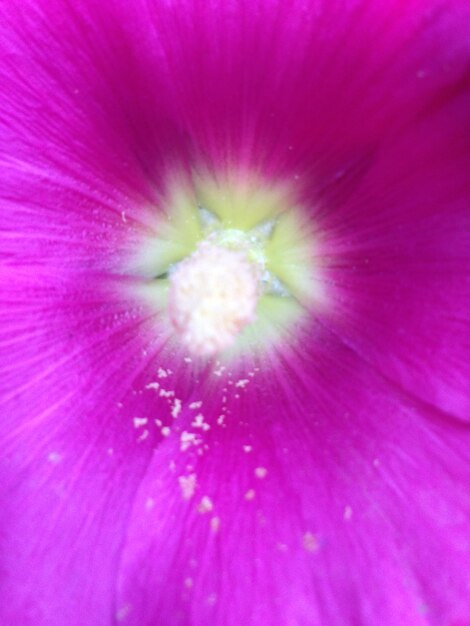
x=213, y=294
x=232, y=266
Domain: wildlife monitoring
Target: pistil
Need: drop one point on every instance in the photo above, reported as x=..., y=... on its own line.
x=213, y=296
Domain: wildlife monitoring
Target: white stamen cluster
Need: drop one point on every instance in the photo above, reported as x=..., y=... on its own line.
x=213, y=296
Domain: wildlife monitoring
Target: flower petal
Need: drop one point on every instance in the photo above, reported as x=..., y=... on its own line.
x=401, y=258
x=76, y=434
x=343, y=99
x=312, y=502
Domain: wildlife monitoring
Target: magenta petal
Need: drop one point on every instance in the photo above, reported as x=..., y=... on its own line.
x=402, y=252
x=332, y=488
x=70, y=460
x=324, y=515
x=74, y=403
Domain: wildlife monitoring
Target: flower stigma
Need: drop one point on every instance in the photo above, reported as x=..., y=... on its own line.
x=233, y=266
x=213, y=295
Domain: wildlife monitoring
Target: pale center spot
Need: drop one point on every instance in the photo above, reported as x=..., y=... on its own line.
x=310, y=542
x=187, y=485
x=250, y=494
x=213, y=296
x=205, y=505
x=261, y=472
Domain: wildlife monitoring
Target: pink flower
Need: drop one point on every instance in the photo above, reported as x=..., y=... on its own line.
x=303, y=458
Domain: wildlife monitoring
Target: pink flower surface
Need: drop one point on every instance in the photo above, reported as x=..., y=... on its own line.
x=326, y=485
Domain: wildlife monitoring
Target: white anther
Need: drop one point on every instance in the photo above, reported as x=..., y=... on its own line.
x=213, y=296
